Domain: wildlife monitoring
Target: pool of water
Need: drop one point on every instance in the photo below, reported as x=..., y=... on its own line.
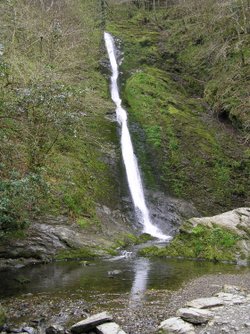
x=134, y=275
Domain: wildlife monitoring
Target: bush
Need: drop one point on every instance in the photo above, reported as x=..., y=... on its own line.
x=19, y=200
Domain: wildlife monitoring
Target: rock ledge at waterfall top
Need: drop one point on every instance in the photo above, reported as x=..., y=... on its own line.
x=224, y=237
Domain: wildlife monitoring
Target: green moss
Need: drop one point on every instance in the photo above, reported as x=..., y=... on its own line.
x=214, y=244
x=127, y=240
x=166, y=67
x=182, y=145
x=73, y=254
x=85, y=222
x=22, y=279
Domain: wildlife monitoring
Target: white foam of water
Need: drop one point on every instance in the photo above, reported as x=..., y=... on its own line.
x=129, y=158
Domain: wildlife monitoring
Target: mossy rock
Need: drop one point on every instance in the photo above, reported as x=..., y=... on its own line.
x=200, y=242
x=76, y=254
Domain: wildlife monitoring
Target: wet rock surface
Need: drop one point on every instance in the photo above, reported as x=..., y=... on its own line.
x=169, y=213
x=46, y=236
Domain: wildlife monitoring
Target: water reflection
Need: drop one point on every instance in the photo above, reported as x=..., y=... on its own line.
x=139, y=285
x=135, y=276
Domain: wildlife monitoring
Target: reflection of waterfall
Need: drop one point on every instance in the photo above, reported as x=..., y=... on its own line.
x=129, y=158
x=139, y=286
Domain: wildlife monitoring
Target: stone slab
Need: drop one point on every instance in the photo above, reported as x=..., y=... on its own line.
x=176, y=325
x=195, y=315
x=109, y=328
x=205, y=302
x=91, y=322
x=229, y=298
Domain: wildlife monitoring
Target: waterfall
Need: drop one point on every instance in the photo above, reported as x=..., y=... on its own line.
x=129, y=158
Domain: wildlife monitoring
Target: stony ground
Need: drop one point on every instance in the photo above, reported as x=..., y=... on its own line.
x=141, y=315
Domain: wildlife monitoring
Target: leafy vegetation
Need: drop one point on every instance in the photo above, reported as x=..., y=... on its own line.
x=55, y=140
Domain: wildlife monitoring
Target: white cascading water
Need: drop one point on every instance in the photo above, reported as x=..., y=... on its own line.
x=129, y=158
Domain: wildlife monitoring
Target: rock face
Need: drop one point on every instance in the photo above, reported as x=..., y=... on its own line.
x=45, y=237
x=237, y=221
x=169, y=213
x=195, y=315
x=176, y=325
x=91, y=322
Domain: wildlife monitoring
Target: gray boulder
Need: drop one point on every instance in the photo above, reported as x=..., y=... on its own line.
x=91, y=322
x=229, y=298
x=176, y=325
x=206, y=302
x=109, y=328
x=195, y=315
x=55, y=329
x=237, y=220
x=29, y=330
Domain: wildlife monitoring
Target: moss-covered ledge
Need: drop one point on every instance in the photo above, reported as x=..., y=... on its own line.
x=224, y=237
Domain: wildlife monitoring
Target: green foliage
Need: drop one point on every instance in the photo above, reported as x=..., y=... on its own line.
x=53, y=101
x=20, y=199
x=154, y=135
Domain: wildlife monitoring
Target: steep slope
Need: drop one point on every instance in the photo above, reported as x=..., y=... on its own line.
x=59, y=146
x=184, y=147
